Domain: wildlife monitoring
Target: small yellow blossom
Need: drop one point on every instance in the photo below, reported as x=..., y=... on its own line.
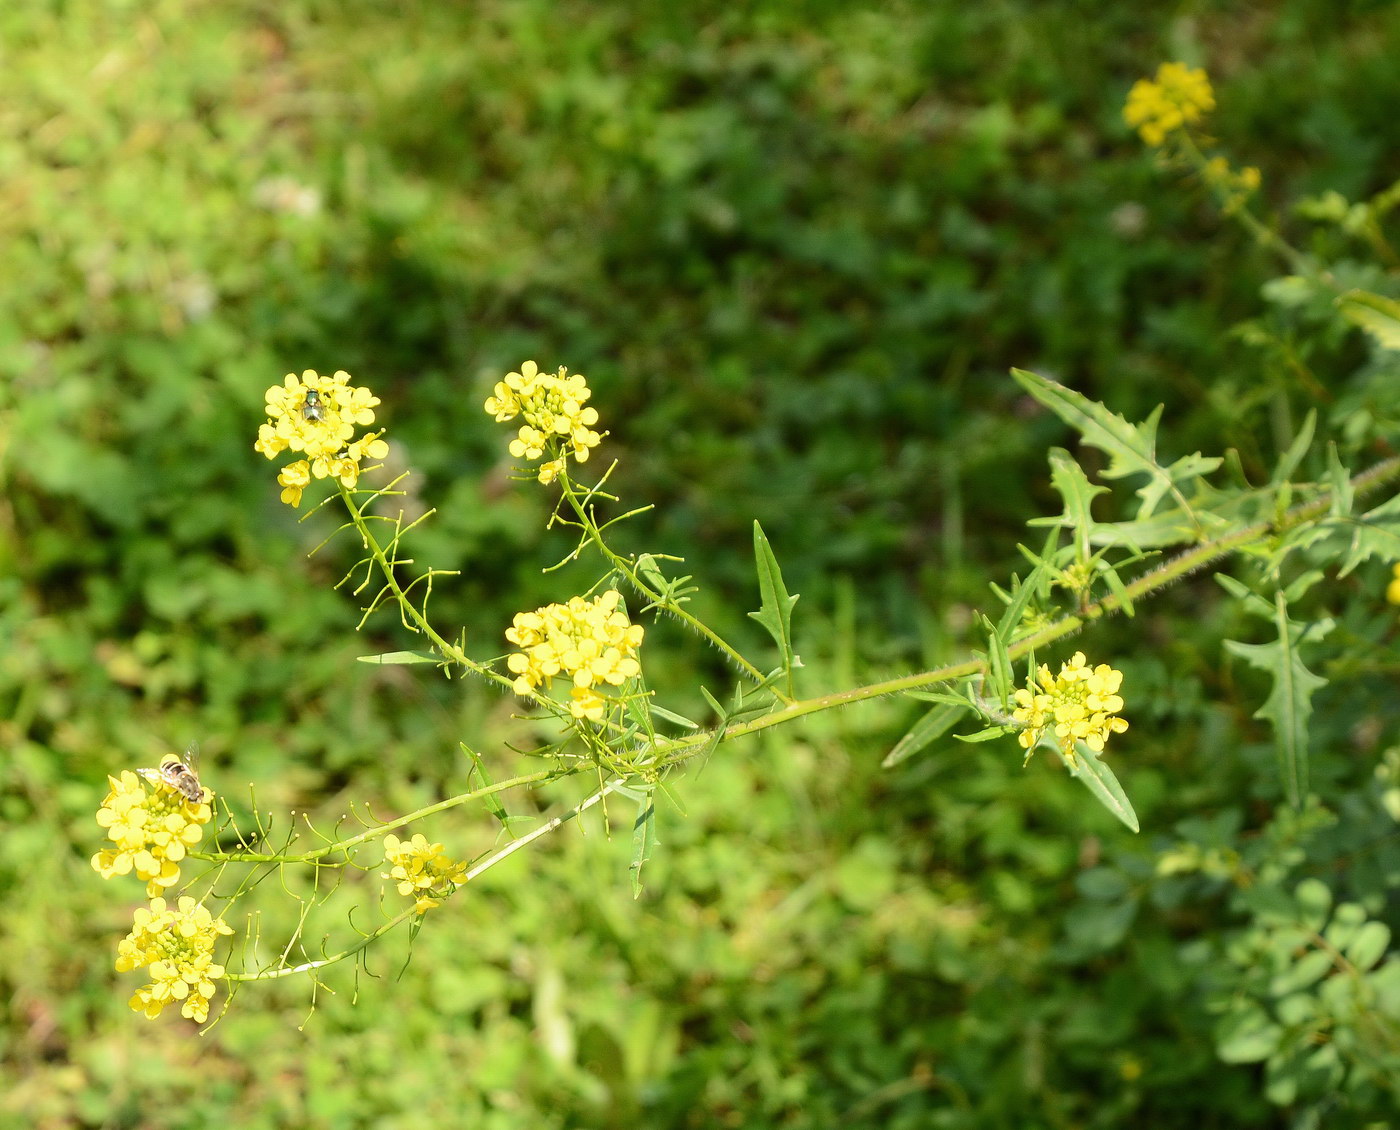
x=1234, y=185
x=421, y=869
x=317, y=416
x=590, y=642
x=1179, y=97
x=1078, y=705
x=152, y=829
x=556, y=419
x=177, y=947
x=1392, y=590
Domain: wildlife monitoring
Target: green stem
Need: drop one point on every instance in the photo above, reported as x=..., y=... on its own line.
x=1195, y=558
x=623, y=566
x=403, y=916
x=383, y=830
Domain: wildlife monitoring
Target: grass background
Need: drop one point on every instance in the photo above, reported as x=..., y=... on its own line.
x=795, y=248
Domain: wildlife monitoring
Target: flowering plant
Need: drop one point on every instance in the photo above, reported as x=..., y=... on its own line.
x=578, y=667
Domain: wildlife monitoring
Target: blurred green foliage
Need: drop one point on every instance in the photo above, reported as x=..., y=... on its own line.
x=795, y=248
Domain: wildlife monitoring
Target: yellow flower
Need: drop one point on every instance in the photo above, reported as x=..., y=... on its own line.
x=421, y=869
x=1079, y=704
x=590, y=642
x=317, y=416
x=177, y=947
x=152, y=830
x=1179, y=97
x=556, y=419
x=1235, y=186
x=1392, y=590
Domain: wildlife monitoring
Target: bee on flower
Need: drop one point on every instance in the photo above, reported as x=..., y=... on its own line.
x=1080, y=704
x=152, y=829
x=176, y=944
x=1180, y=96
x=590, y=642
x=317, y=416
x=557, y=422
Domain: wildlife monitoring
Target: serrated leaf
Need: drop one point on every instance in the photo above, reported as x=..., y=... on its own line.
x=1290, y=701
x=924, y=733
x=1375, y=533
x=397, y=658
x=1098, y=778
x=643, y=840
x=1068, y=477
x=1170, y=527
x=775, y=614
x=1377, y=315
x=1131, y=448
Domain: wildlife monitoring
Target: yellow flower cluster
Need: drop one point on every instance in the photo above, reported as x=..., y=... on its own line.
x=422, y=869
x=317, y=416
x=1179, y=97
x=1234, y=185
x=557, y=421
x=588, y=641
x=1079, y=703
x=151, y=828
x=177, y=948
x=1392, y=590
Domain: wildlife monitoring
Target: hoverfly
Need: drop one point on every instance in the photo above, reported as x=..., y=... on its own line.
x=313, y=409
x=180, y=774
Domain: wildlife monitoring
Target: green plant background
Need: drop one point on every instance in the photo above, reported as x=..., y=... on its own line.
x=795, y=248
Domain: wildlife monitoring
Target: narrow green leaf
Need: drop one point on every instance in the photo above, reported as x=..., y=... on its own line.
x=1116, y=586
x=395, y=658
x=924, y=733
x=1339, y=479
x=999, y=675
x=991, y=733
x=643, y=840
x=1377, y=315
x=493, y=800
x=776, y=611
x=1021, y=594
x=1288, y=462
x=1098, y=778
x=674, y=718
